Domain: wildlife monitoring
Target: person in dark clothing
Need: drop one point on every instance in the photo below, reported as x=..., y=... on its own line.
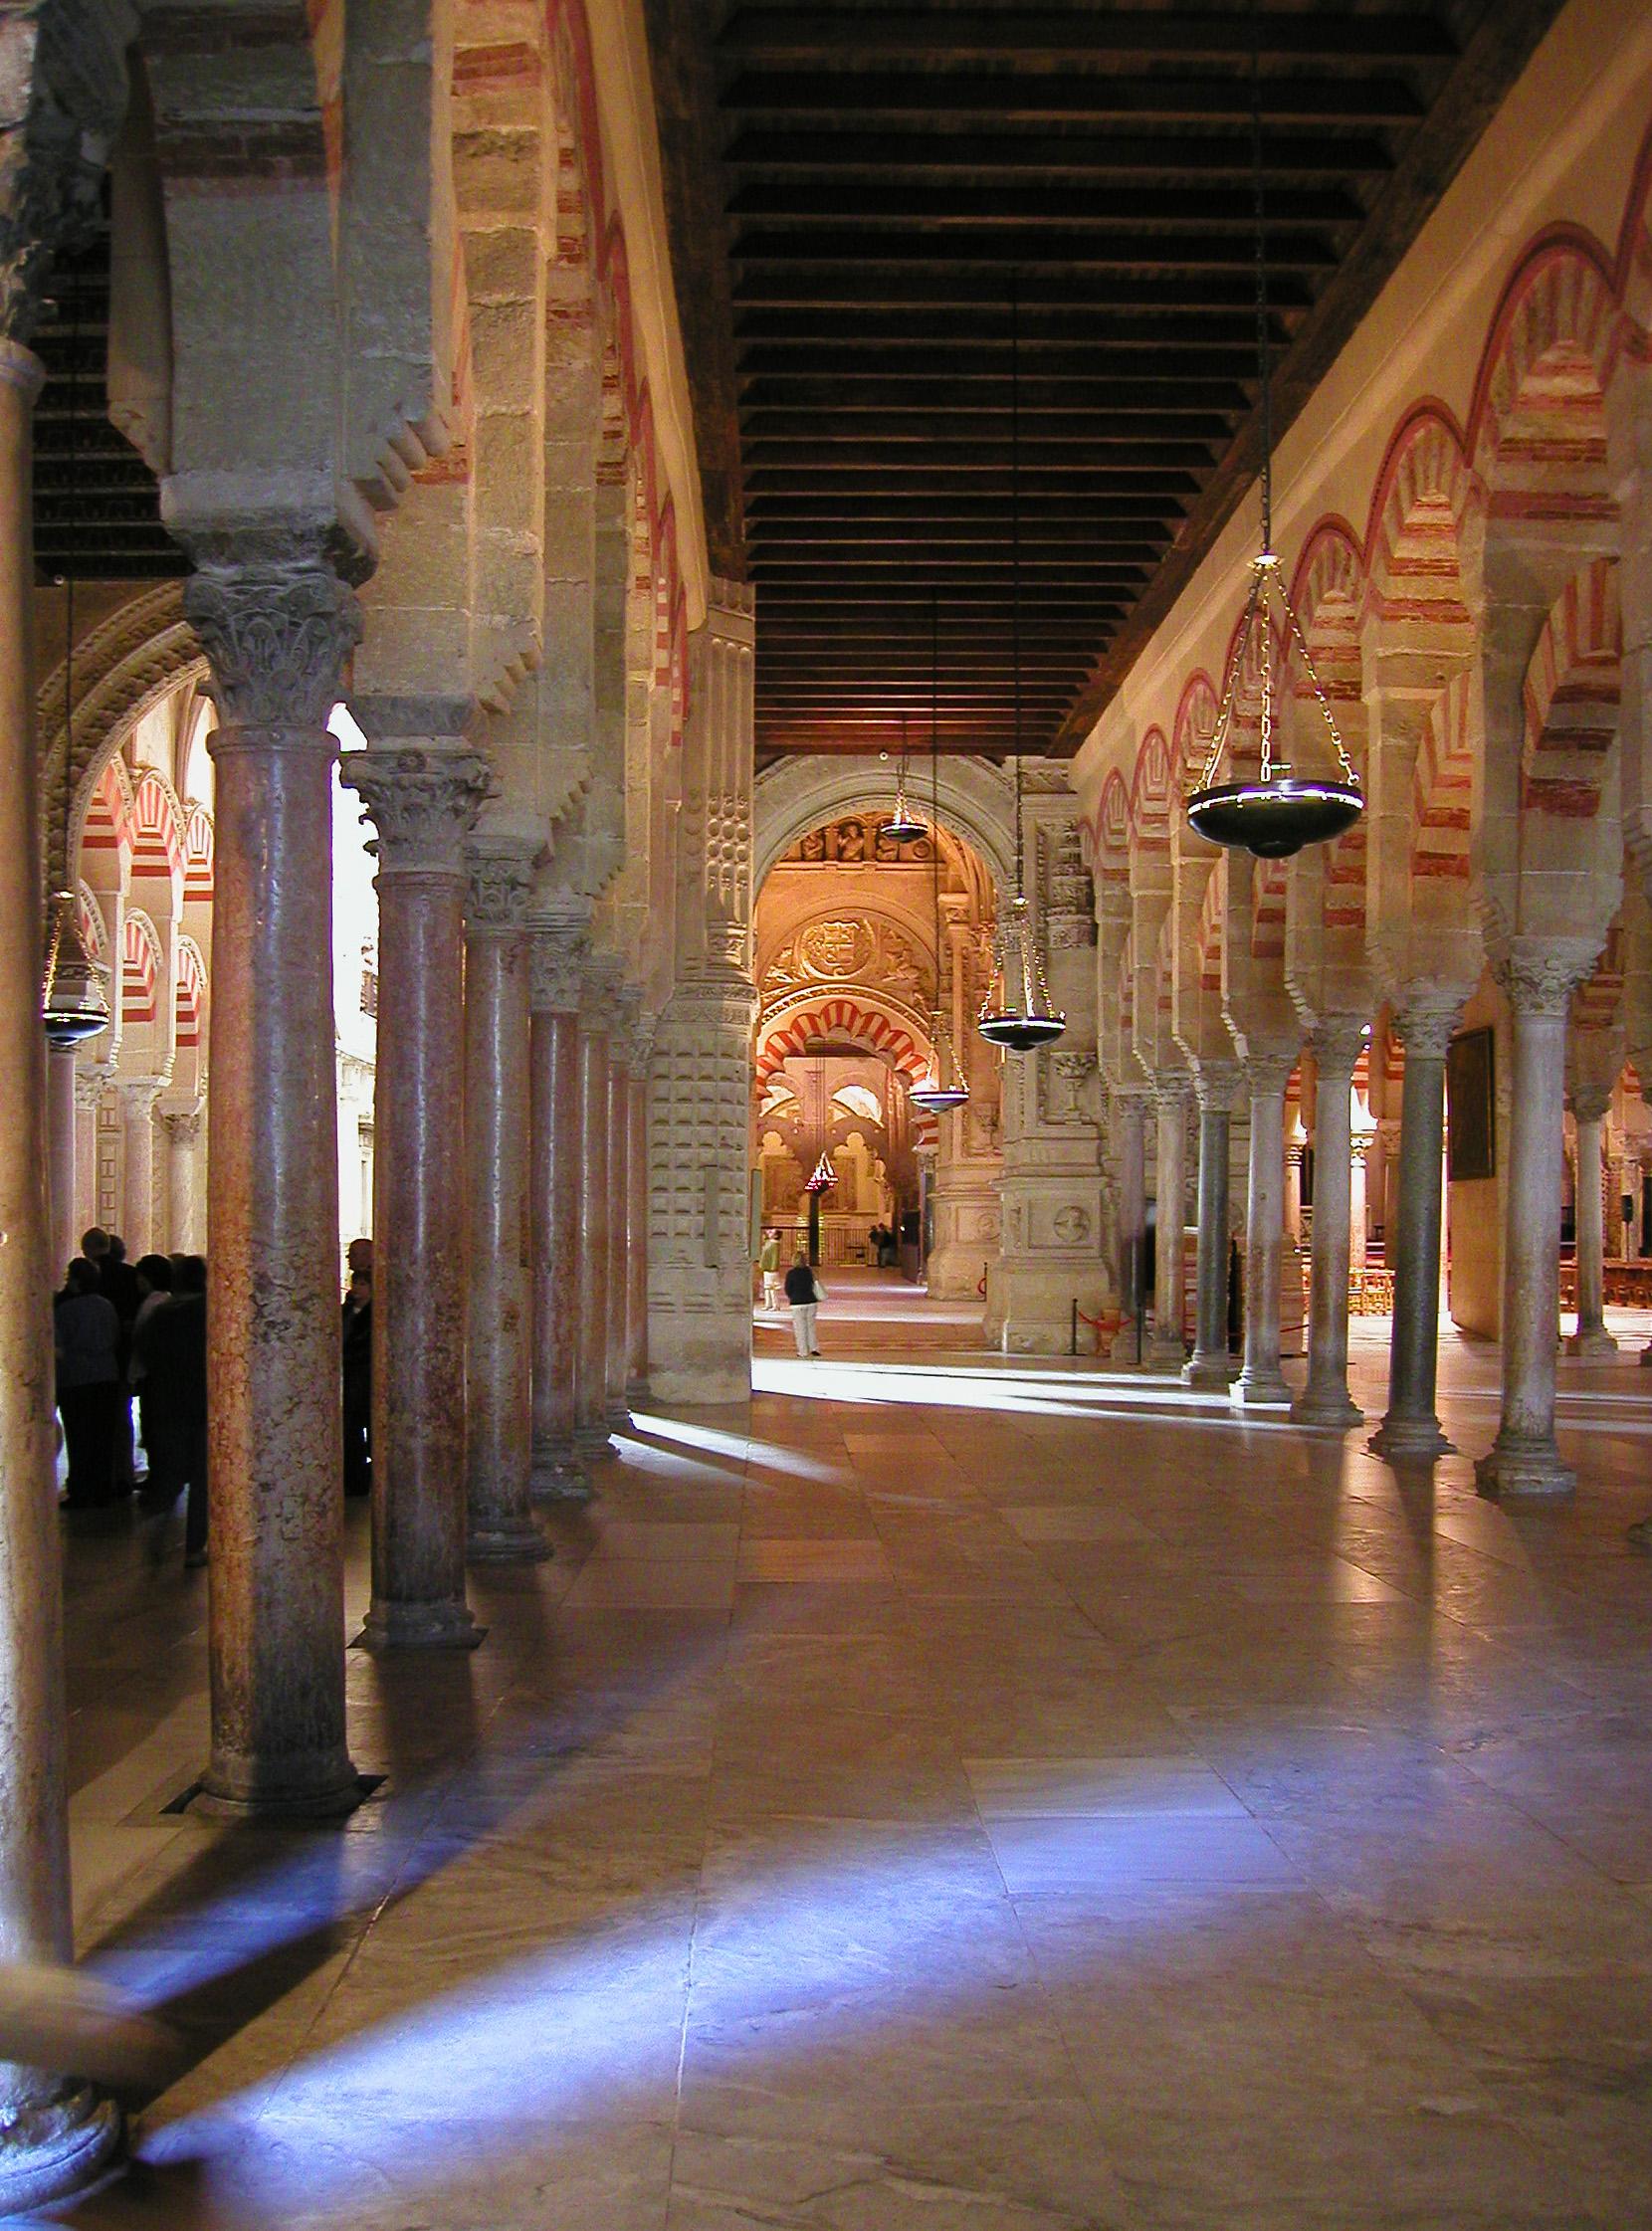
x=154, y=1285
x=117, y=1282
x=357, y=1354
x=172, y=1350
x=803, y=1299
x=87, y=1339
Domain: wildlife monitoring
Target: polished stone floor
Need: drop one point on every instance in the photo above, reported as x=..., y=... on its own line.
x=947, y=1797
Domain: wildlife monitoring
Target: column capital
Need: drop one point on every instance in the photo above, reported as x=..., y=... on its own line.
x=140, y=1093
x=182, y=1126
x=1268, y=1073
x=1337, y=1041
x=1537, y=976
x=1589, y=1104
x=601, y=992
x=1426, y=1025
x=277, y=625
x=557, y=965
x=423, y=802
x=501, y=881
x=1214, y=1086
x=1170, y=1092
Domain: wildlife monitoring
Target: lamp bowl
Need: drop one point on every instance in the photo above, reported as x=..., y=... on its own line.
x=938, y=1100
x=1020, y=1032
x=1276, y=818
x=904, y=829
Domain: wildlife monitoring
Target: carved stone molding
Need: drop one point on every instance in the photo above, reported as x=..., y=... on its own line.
x=424, y=805
x=500, y=883
x=277, y=631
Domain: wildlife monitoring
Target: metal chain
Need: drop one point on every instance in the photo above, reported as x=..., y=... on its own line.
x=1263, y=367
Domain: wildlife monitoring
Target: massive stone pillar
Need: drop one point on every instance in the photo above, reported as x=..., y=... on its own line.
x=54, y=2134
x=1410, y=1427
x=1262, y=1382
x=1591, y=1338
x=556, y=952
x=636, y=1220
x=137, y=1196
x=1524, y=1458
x=423, y=795
x=500, y=1522
x=1325, y=1400
x=1169, y=1350
x=596, y=1115
x=59, y=1149
x=274, y=630
x=1209, y=1366
x=618, y=1371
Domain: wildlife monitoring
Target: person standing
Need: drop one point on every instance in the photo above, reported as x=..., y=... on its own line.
x=172, y=1352
x=804, y=1295
x=154, y=1286
x=358, y=1364
x=118, y=1282
x=769, y=1261
x=87, y=1339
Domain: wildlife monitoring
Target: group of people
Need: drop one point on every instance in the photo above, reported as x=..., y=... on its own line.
x=135, y=1329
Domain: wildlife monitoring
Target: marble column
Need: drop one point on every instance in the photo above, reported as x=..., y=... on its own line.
x=1132, y=1211
x=618, y=1368
x=138, y=1192
x=1410, y=1427
x=55, y=2133
x=591, y=1365
x=1168, y=1351
x=1209, y=1366
x=1262, y=1383
x=636, y=1224
x=1524, y=1458
x=422, y=798
x=1359, y=1202
x=1325, y=1400
x=88, y=1094
x=500, y=1522
x=556, y=957
x=1293, y=1191
x=276, y=631
x=60, y=1148
x=182, y=1129
x=1591, y=1338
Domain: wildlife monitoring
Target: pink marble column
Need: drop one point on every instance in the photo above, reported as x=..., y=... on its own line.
x=59, y=1143
x=138, y=1194
x=498, y=1421
x=276, y=631
x=1325, y=1399
x=1410, y=1427
x=1261, y=1383
x=55, y=2133
x=556, y=951
x=619, y=1211
x=423, y=800
x=636, y=1226
x=1591, y=1338
x=592, y=1371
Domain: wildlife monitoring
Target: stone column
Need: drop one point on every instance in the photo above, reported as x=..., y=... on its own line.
x=1293, y=1191
x=591, y=1366
x=618, y=1371
x=557, y=954
x=1358, y=1203
x=276, y=630
x=1132, y=1207
x=1262, y=1383
x=88, y=1094
x=54, y=2131
x=59, y=1149
x=1524, y=1458
x=1210, y=1366
x=183, y=1130
x=138, y=1193
x=423, y=796
x=636, y=1224
x=1591, y=1338
x=1325, y=1400
x=500, y=1522
x=1410, y=1427
x=1168, y=1352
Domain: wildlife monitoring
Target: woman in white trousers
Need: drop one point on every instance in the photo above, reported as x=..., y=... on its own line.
x=804, y=1300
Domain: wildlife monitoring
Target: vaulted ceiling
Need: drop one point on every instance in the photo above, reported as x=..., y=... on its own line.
x=866, y=200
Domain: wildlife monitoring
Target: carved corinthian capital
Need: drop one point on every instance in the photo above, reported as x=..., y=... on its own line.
x=277, y=632
x=501, y=883
x=1539, y=978
x=1337, y=1041
x=556, y=969
x=1425, y=1027
x=423, y=804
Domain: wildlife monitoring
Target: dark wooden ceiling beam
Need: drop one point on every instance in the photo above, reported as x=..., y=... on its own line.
x=1086, y=325
x=1122, y=246
x=830, y=201
x=980, y=150
x=1081, y=36
x=917, y=453
x=960, y=507
x=1061, y=96
x=854, y=287
x=989, y=391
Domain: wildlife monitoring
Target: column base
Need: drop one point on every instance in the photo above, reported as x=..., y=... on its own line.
x=1639, y=1535
x=591, y=1441
x=1335, y=1408
x=1646, y=1353
x=1524, y=1463
x=1164, y=1355
x=1260, y=1390
x=419, y=1626
x=1401, y=1436
x=1596, y=1345
x=1212, y=1373
x=54, y=2151
x=558, y=1476
x=637, y=1394
x=321, y=1788
x=619, y=1417
x=510, y=1542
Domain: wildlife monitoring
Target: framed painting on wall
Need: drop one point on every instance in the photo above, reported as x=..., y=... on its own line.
x=1470, y=1105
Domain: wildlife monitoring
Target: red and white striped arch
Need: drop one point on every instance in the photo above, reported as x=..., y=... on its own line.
x=841, y=1020
x=1573, y=688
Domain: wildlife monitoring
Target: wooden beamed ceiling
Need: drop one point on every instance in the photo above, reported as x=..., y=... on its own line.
x=857, y=192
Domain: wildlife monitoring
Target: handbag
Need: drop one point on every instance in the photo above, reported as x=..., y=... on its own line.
x=819, y=1291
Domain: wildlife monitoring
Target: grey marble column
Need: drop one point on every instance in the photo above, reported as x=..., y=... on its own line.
x=1132, y=1116
x=1524, y=1458
x=55, y=2133
x=591, y=1363
x=1262, y=1383
x=138, y=1193
x=1168, y=1351
x=183, y=1132
x=1210, y=1366
x=501, y=1525
x=1591, y=1338
x=424, y=798
x=617, y=1413
x=276, y=631
x=1410, y=1427
x=557, y=956
x=1325, y=1400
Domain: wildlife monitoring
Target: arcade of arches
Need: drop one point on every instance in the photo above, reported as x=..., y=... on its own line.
x=1149, y=1729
